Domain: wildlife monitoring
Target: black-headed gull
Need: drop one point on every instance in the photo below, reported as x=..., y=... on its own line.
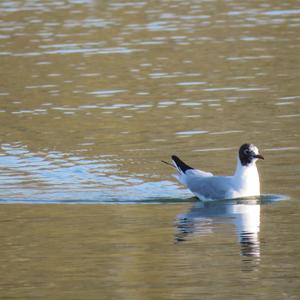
x=206, y=186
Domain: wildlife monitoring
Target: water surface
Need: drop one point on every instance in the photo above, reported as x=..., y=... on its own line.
x=93, y=96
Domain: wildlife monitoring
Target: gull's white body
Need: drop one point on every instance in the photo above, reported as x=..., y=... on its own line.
x=244, y=183
x=206, y=186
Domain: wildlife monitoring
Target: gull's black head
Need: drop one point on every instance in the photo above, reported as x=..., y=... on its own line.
x=249, y=153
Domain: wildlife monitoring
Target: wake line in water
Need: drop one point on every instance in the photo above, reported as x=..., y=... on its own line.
x=107, y=201
x=263, y=199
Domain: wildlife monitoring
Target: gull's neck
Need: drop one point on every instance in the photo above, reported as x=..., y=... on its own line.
x=241, y=170
x=247, y=179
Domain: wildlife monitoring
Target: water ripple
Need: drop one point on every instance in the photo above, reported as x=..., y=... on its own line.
x=56, y=177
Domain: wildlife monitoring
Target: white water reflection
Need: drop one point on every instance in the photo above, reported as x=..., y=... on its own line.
x=204, y=217
x=57, y=177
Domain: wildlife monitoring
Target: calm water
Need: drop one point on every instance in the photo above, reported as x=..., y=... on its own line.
x=93, y=95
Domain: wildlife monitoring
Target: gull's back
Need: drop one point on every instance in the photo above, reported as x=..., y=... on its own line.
x=204, y=184
x=210, y=187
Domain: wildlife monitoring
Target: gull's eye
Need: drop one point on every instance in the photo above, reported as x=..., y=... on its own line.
x=246, y=151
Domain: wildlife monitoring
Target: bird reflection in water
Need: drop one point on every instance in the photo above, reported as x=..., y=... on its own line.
x=244, y=214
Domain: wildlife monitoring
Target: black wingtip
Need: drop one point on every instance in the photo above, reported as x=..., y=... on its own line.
x=180, y=164
x=174, y=157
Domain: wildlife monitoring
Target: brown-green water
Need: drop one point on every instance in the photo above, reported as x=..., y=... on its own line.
x=93, y=94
